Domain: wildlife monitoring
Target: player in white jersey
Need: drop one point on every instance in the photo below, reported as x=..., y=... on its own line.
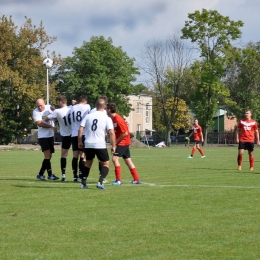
x=45, y=137
x=96, y=124
x=62, y=114
x=105, y=111
x=77, y=113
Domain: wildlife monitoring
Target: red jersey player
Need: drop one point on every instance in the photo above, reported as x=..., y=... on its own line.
x=122, y=142
x=247, y=131
x=198, y=137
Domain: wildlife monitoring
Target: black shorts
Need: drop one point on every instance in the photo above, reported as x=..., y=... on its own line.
x=102, y=154
x=66, y=142
x=246, y=146
x=197, y=141
x=74, y=141
x=47, y=144
x=122, y=151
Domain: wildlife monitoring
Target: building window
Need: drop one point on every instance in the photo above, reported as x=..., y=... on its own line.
x=147, y=106
x=147, y=120
x=138, y=127
x=138, y=108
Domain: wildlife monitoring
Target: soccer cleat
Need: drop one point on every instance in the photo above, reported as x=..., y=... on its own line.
x=190, y=157
x=63, y=177
x=203, y=156
x=84, y=187
x=105, y=181
x=100, y=186
x=117, y=183
x=135, y=182
x=239, y=167
x=53, y=177
x=251, y=169
x=40, y=177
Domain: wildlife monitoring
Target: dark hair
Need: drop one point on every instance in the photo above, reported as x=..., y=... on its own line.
x=100, y=103
x=105, y=98
x=83, y=98
x=111, y=107
x=61, y=99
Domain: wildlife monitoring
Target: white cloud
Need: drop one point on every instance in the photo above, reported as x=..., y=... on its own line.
x=129, y=23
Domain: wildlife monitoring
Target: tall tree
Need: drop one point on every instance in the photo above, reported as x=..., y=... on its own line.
x=243, y=79
x=22, y=75
x=165, y=62
x=98, y=68
x=213, y=34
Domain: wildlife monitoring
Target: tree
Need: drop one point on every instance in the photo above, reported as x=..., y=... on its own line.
x=243, y=79
x=98, y=68
x=213, y=34
x=165, y=62
x=22, y=76
x=182, y=117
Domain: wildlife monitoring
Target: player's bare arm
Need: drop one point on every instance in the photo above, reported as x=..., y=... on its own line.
x=42, y=124
x=257, y=137
x=237, y=135
x=112, y=140
x=121, y=137
x=80, y=132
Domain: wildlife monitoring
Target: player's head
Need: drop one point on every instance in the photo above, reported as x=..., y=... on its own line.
x=105, y=98
x=40, y=104
x=248, y=113
x=111, y=108
x=83, y=99
x=100, y=104
x=196, y=121
x=61, y=100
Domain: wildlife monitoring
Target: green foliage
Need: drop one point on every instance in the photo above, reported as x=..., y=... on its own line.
x=243, y=80
x=213, y=34
x=22, y=76
x=98, y=68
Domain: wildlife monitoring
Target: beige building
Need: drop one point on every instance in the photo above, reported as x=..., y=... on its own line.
x=140, y=118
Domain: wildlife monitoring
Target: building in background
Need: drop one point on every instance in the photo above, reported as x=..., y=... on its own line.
x=140, y=118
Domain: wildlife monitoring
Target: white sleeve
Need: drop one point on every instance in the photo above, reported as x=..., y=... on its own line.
x=37, y=116
x=109, y=124
x=52, y=115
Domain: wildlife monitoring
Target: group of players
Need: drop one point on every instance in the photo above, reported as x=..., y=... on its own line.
x=246, y=134
x=86, y=131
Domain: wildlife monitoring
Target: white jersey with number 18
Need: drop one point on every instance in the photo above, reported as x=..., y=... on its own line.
x=77, y=113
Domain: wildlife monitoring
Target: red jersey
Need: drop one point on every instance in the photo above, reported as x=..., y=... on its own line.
x=197, y=130
x=121, y=127
x=248, y=128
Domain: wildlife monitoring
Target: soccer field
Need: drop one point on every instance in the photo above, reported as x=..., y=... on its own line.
x=185, y=208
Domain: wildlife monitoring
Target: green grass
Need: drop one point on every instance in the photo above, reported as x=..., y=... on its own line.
x=185, y=208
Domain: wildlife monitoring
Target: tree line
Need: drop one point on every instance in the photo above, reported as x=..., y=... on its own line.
x=214, y=73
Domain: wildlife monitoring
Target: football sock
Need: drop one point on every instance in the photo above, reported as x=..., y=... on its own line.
x=75, y=167
x=81, y=164
x=63, y=162
x=134, y=174
x=239, y=160
x=193, y=151
x=43, y=168
x=48, y=166
x=251, y=161
x=201, y=152
x=103, y=174
x=99, y=166
x=85, y=172
x=118, y=173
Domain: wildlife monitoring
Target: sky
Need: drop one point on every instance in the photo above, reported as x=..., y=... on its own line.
x=130, y=24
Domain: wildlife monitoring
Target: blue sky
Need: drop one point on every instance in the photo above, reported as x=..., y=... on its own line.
x=130, y=24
